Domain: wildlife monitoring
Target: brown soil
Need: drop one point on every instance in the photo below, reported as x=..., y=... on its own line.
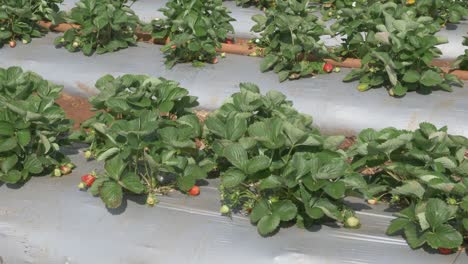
x=76, y=108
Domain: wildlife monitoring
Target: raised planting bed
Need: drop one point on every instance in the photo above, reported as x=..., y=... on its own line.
x=337, y=107
x=51, y=221
x=147, y=10
x=163, y=127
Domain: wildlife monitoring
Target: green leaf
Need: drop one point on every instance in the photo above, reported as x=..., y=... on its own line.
x=111, y=194
x=411, y=188
x=257, y=164
x=330, y=209
x=271, y=182
x=335, y=189
x=285, y=210
x=12, y=177
x=437, y=212
x=186, y=182
x=446, y=162
x=397, y=225
x=6, y=129
x=413, y=238
x=411, y=76
x=24, y=137
x=8, y=144
x=444, y=236
x=132, y=182
x=237, y=155
x=32, y=164
x=332, y=170
x=115, y=167
x=232, y=178
x=236, y=127
x=431, y=78
x=107, y=154
x=9, y=163
x=333, y=142
x=260, y=210
x=268, y=224
x=268, y=62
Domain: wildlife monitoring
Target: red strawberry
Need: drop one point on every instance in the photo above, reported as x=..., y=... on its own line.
x=445, y=251
x=194, y=191
x=88, y=179
x=215, y=60
x=173, y=47
x=12, y=44
x=229, y=41
x=327, y=67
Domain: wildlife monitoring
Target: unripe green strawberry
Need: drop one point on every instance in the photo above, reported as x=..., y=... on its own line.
x=452, y=201
x=363, y=87
x=352, y=222
x=88, y=154
x=82, y=186
x=224, y=209
x=57, y=173
x=75, y=44
x=151, y=200
x=25, y=41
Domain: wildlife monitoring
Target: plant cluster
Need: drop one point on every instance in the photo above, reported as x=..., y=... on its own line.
x=442, y=11
x=102, y=26
x=425, y=171
x=147, y=135
x=399, y=53
x=263, y=4
x=275, y=166
x=462, y=60
x=32, y=127
x=290, y=34
x=18, y=19
x=194, y=30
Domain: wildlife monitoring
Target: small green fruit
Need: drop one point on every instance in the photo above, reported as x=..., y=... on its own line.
x=151, y=200
x=224, y=209
x=88, y=154
x=352, y=222
x=363, y=87
x=82, y=186
x=452, y=201
x=57, y=173
x=76, y=44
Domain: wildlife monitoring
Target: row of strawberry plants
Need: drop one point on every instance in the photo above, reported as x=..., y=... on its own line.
x=18, y=19
x=396, y=43
x=32, y=127
x=273, y=164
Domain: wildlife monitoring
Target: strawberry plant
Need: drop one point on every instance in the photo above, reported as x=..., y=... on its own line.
x=425, y=171
x=399, y=57
x=290, y=34
x=194, y=28
x=146, y=134
x=104, y=26
x=257, y=3
x=18, y=19
x=462, y=60
x=32, y=127
x=275, y=166
x=440, y=10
